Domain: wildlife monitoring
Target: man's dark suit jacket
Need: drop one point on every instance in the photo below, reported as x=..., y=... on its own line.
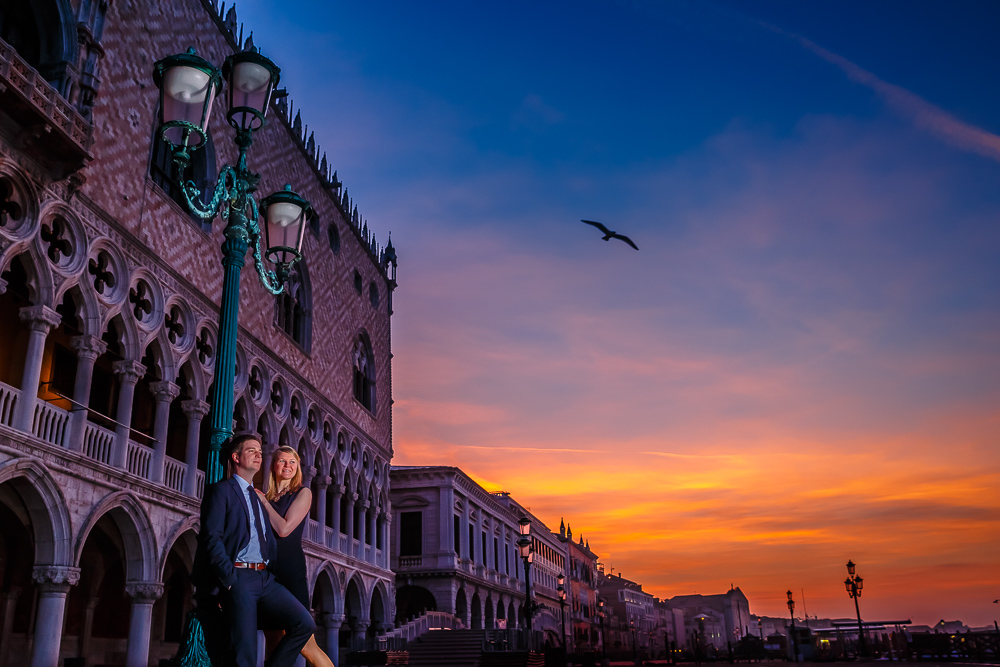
x=225, y=530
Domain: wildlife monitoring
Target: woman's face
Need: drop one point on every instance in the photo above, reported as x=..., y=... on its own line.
x=285, y=466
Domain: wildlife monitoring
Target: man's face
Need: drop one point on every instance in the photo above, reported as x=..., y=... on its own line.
x=249, y=457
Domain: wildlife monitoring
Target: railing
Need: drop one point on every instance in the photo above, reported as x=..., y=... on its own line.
x=199, y=483
x=344, y=544
x=410, y=561
x=311, y=530
x=138, y=458
x=356, y=552
x=368, y=553
x=430, y=620
x=50, y=423
x=98, y=442
x=329, y=537
x=378, y=557
x=46, y=101
x=8, y=401
x=173, y=473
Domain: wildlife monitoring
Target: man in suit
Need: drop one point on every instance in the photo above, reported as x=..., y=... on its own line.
x=236, y=546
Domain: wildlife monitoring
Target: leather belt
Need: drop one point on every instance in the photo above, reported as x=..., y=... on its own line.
x=251, y=566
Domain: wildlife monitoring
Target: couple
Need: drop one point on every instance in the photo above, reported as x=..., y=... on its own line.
x=251, y=546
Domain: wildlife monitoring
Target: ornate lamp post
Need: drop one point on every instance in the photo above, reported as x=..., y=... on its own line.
x=188, y=86
x=791, y=612
x=854, y=583
x=527, y=555
x=561, y=579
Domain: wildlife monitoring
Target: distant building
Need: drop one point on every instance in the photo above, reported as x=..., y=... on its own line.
x=630, y=614
x=716, y=621
x=455, y=551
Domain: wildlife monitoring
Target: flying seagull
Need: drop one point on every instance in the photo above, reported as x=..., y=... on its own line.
x=608, y=234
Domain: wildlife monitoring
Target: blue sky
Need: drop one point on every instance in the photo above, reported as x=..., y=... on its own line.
x=800, y=365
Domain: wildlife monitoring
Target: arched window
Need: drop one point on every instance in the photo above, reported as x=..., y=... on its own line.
x=293, y=307
x=200, y=171
x=364, y=372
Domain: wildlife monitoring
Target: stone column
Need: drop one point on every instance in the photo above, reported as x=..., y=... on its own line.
x=195, y=411
x=446, y=521
x=88, y=349
x=372, y=520
x=53, y=585
x=88, y=626
x=332, y=623
x=338, y=498
x=9, y=606
x=165, y=392
x=363, y=527
x=322, y=482
x=40, y=320
x=359, y=631
x=350, y=522
x=308, y=472
x=143, y=595
x=464, y=527
x=129, y=373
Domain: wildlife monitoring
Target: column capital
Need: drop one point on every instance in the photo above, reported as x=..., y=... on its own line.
x=40, y=318
x=55, y=578
x=164, y=390
x=129, y=370
x=144, y=591
x=88, y=347
x=337, y=490
x=323, y=481
x=332, y=621
x=195, y=408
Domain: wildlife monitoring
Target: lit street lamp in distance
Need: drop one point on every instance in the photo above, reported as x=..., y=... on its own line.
x=854, y=583
x=791, y=612
x=527, y=555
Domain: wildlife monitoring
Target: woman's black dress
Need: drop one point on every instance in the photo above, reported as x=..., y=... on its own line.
x=290, y=563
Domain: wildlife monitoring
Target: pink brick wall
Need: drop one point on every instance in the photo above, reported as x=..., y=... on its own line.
x=137, y=34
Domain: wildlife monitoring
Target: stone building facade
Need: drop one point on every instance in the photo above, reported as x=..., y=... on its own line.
x=717, y=621
x=454, y=550
x=109, y=295
x=581, y=592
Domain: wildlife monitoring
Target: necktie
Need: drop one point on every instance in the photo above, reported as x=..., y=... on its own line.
x=261, y=535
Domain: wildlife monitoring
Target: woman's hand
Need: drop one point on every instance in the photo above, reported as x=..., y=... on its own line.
x=261, y=495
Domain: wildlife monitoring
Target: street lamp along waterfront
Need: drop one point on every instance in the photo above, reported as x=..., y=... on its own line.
x=560, y=580
x=854, y=583
x=600, y=613
x=188, y=86
x=527, y=555
x=791, y=612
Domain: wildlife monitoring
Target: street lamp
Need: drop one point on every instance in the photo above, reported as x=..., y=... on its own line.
x=561, y=579
x=600, y=614
x=527, y=555
x=791, y=612
x=854, y=583
x=188, y=85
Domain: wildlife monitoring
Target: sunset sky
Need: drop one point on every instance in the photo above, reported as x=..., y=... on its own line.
x=801, y=364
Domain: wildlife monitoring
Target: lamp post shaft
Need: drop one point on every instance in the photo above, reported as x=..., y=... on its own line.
x=861, y=630
x=527, y=597
x=234, y=250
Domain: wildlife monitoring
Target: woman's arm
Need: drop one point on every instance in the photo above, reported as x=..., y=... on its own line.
x=284, y=526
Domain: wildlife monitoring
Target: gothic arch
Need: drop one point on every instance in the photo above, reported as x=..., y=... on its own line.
x=46, y=505
x=334, y=580
x=141, y=556
x=383, y=590
x=41, y=291
x=87, y=309
x=17, y=189
x=191, y=524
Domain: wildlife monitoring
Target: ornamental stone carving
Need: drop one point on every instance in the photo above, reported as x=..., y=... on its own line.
x=144, y=591
x=55, y=578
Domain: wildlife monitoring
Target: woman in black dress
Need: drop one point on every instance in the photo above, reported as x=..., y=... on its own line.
x=287, y=503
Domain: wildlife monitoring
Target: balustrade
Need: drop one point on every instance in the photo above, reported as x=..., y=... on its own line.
x=98, y=443
x=173, y=473
x=8, y=401
x=138, y=459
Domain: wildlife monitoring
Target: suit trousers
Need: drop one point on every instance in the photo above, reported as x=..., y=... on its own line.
x=257, y=600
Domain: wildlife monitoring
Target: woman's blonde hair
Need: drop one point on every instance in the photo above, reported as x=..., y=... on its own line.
x=272, y=483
